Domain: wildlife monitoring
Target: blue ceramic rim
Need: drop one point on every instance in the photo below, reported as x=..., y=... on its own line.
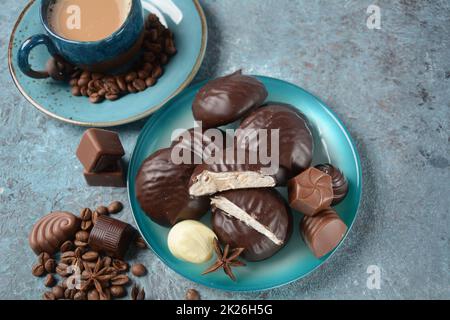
x=152, y=121
x=108, y=38
x=148, y=112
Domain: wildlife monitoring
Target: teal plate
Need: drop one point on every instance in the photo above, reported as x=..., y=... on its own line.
x=185, y=18
x=332, y=144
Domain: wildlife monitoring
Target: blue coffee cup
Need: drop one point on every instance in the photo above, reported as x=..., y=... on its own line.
x=99, y=56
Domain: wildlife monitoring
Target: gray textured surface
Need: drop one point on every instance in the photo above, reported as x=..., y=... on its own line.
x=389, y=86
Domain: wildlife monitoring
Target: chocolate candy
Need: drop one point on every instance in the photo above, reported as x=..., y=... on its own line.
x=255, y=219
x=310, y=192
x=99, y=150
x=162, y=190
x=296, y=142
x=52, y=230
x=230, y=173
x=338, y=180
x=227, y=99
x=323, y=232
x=113, y=177
x=111, y=236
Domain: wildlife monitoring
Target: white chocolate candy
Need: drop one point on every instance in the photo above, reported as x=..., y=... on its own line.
x=191, y=241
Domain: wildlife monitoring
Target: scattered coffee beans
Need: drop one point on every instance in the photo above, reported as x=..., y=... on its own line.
x=138, y=270
x=115, y=207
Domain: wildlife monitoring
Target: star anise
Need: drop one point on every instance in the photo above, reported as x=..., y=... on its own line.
x=97, y=277
x=226, y=259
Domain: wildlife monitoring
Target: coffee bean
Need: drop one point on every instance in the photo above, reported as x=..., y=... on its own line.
x=138, y=270
x=73, y=82
x=112, y=88
x=157, y=72
x=102, y=210
x=61, y=269
x=118, y=291
x=163, y=58
x=86, y=225
x=140, y=243
x=43, y=257
x=83, y=91
x=93, y=295
x=152, y=35
x=170, y=48
x=106, y=294
x=120, y=280
x=58, y=292
x=82, y=236
x=143, y=74
x=130, y=77
x=149, y=56
x=97, y=76
x=70, y=293
x=38, y=270
x=121, y=83
x=192, y=294
x=112, y=97
x=80, y=295
x=91, y=85
x=95, y=98
x=48, y=296
x=150, y=82
x=49, y=281
x=50, y=265
x=67, y=246
x=120, y=265
x=85, y=75
x=83, y=82
x=131, y=88
x=139, y=84
x=86, y=214
x=115, y=207
x=90, y=256
x=107, y=261
x=80, y=244
x=76, y=91
x=90, y=92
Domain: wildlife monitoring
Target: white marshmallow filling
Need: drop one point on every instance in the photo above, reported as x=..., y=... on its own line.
x=233, y=210
x=208, y=182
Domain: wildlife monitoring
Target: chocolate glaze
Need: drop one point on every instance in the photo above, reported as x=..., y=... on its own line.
x=53, y=230
x=338, y=180
x=227, y=99
x=323, y=232
x=310, y=192
x=162, y=190
x=265, y=205
x=296, y=141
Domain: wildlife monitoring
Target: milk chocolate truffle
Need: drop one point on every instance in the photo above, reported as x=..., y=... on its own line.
x=233, y=169
x=310, y=192
x=323, y=232
x=338, y=180
x=227, y=99
x=295, y=143
x=257, y=220
x=162, y=190
x=53, y=230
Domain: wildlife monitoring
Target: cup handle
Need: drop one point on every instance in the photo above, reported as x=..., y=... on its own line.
x=24, y=54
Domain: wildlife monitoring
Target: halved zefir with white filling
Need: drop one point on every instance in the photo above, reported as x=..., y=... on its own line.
x=257, y=220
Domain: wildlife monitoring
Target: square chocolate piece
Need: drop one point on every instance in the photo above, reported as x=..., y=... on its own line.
x=99, y=149
x=113, y=177
x=310, y=192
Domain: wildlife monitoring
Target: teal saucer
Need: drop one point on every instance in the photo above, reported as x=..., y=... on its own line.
x=184, y=17
x=332, y=144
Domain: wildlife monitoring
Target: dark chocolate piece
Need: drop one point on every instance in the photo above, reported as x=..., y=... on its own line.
x=112, y=177
x=310, y=192
x=257, y=220
x=235, y=171
x=99, y=149
x=227, y=99
x=296, y=142
x=338, y=180
x=52, y=230
x=111, y=236
x=323, y=232
x=162, y=190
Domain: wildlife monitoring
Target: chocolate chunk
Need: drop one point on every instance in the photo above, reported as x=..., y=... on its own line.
x=233, y=169
x=162, y=190
x=338, y=180
x=323, y=232
x=99, y=149
x=112, y=177
x=310, y=192
x=227, y=99
x=255, y=219
x=295, y=139
x=52, y=230
x=111, y=236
